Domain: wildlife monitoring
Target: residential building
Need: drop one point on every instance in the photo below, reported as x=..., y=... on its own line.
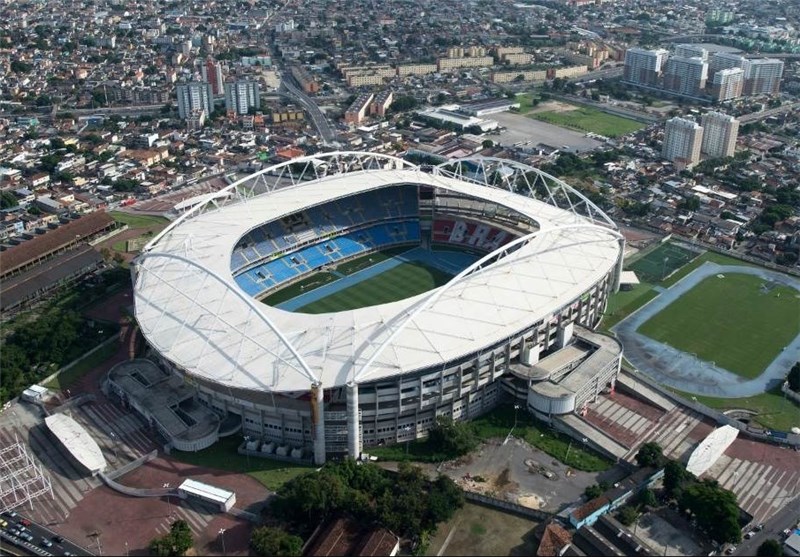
x=762, y=76
x=682, y=142
x=194, y=96
x=416, y=69
x=358, y=109
x=719, y=135
x=212, y=74
x=448, y=64
x=643, y=67
x=727, y=84
x=724, y=60
x=686, y=76
x=381, y=103
x=691, y=51
x=241, y=96
x=305, y=80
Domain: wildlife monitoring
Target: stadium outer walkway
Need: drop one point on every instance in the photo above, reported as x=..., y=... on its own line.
x=686, y=372
x=451, y=262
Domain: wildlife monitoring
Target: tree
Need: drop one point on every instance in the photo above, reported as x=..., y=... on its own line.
x=595, y=490
x=714, y=508
x=770, y=548
x=451, y=437
x=648, y=498
x=794, y=378
x=650, y=455
x=267, y=541
x=487, y=143
x=174, y=544
x=628, y=515
x=674, y=476
x=8, y=200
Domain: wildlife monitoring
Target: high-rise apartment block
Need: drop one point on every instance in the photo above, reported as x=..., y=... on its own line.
x=727, y=84
x=241, y=96
x=719, y=135
x=691, y=51
x=682, y=142
x=762, y=76
x=194, y=96
x=212, y=74
x=643, y=67
x=724, y=60
x=686, y=76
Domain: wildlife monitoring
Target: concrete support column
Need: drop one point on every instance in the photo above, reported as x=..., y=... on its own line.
x=353, y=426
x=620, y=264
x=318, y=422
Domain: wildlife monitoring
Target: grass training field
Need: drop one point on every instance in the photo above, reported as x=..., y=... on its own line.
x=398, y=283
x=737, y=322
x=139, y=221
x=588, y=119
x=661, y=262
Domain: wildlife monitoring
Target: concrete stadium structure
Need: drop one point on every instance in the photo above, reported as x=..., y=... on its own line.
x=333, y=383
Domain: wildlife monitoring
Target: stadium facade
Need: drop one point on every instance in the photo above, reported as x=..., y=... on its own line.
x=515, y=322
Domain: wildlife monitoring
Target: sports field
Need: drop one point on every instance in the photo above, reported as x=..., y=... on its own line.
x=398, y=283
x=739, y=322
x=659, y=263
x=587, y=119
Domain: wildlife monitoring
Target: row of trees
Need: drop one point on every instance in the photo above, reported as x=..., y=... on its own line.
x=406, y=503
x=794, y=378
x=713, y=508
x=174, y=544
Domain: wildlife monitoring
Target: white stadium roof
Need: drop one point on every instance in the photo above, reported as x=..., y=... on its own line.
x=192, y=311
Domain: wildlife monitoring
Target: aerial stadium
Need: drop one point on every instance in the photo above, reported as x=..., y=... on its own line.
x=345, y=300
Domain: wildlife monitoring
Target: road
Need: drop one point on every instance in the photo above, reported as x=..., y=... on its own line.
x=324, y=128
x=755, y=116
x=39, y=534
x=787, y=517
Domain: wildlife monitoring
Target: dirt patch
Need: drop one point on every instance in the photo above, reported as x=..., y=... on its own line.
x=502, y=480
x=553, y=106
x=530, y=501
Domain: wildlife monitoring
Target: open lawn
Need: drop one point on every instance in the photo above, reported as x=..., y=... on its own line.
x=478, y=530
x=398, y=283
x=625, y=302
x=775, y=411
x=222, y=455
x=588, y=119
x=735, y=322
x=525, y=101
x=139, y=221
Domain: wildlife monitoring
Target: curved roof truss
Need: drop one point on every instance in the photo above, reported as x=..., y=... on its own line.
x=523, y=179
x=287, y=174
x=393, y=329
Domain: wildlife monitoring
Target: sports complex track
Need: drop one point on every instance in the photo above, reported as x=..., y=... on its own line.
x=686, y=372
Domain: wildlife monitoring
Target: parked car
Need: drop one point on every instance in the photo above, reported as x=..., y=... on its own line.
x=46, y=543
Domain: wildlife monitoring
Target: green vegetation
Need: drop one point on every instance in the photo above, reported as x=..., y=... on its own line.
x=774, y=410
x=698, y=261
x=794, y=378
x=299, y=287
x=527, y=102
x=71, y=376
x=627, y=515
x=770, y=548
x=497, y=424
x=398, y=283
x=267, y=541
x=595, y=490
x=588, y=119
x=714, y=508
x=139, y=221
x=360, y=263
x=650, y=455
x=658, y=264
x=746, y=335
x=174, y=544
x=625, y=302
x=222, y=455
x=406, y=503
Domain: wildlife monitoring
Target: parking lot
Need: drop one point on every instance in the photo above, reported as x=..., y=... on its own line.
x=520, y=129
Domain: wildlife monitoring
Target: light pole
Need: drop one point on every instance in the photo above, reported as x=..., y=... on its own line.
x=127, y=553
x=169, y=501
x=247, y=449
x=407, y=429
x=664, y=268
x=569, y=448
x=114, y=438
x=222, y=537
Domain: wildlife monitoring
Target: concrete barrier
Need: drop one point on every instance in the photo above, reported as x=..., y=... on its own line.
x=507, y=506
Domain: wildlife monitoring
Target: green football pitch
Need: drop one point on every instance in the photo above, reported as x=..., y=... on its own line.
x=659, y=263
x=398, y=283
x=739, y=322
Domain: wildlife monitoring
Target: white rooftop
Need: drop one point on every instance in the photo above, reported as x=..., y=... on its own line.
x=206, y=491
x=190, y=308
x=710, y=449
x=77, y=441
